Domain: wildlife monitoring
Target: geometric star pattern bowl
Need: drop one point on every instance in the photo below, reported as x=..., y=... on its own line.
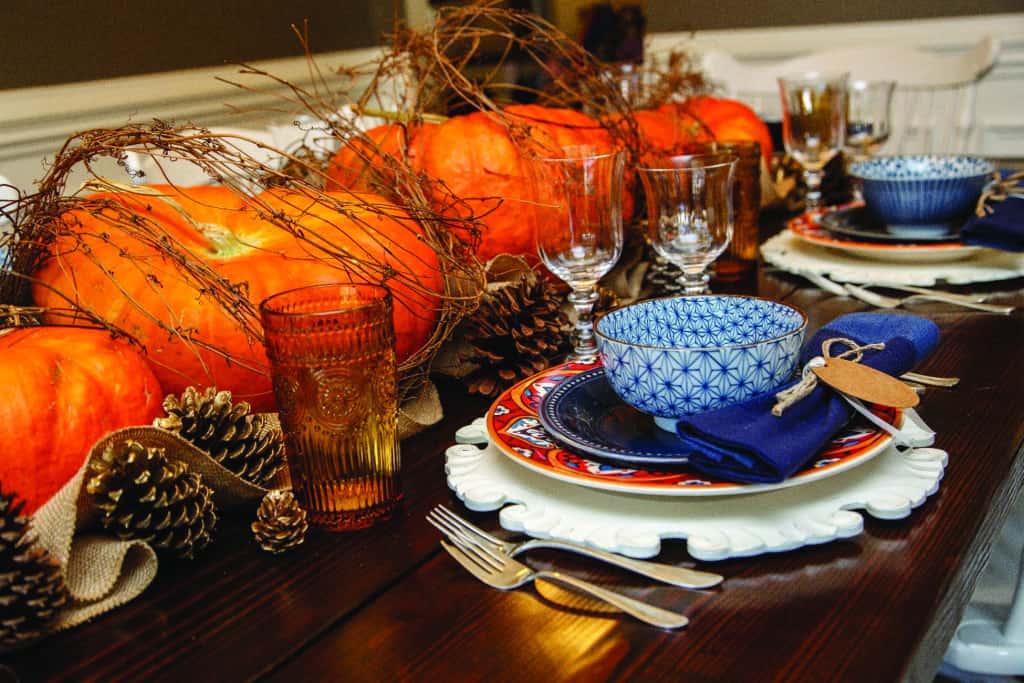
x=922, y=195
x=683, y=355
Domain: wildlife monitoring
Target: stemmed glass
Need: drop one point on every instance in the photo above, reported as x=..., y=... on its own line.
x=813, y=124
x=577, y=211
x=868, y=113
x=690, y=212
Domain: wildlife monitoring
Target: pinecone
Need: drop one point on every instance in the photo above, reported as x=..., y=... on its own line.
x=32, y=588
x=516, y=332
x=280, y=523
x=232, y=436
x=145, y=496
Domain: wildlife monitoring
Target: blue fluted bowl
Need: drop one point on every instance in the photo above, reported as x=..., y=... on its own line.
x=683, y=355
x=922, y=195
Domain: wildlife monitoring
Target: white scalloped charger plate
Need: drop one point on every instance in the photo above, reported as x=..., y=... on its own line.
x=888, y=487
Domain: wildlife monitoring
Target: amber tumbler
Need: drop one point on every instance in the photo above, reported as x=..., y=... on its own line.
x=741, y=256
x=332, y=358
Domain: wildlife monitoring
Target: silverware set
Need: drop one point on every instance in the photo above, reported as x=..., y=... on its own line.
x=917, y=294
x=490, y=559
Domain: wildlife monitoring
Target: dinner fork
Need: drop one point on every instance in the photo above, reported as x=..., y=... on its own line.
x=461, y=530
x=500, y=571
x=883, y=301
x=952, y=296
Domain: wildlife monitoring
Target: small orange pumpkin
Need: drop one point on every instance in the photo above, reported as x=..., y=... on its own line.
x=479, y=161
x=726, y=119
x=64, y=388
x=348, y=167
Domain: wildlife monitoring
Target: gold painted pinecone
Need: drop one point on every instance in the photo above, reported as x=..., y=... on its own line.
x=32, y=588
x=518, y=330
x=228, y=431
x=280, y=523
x=145, y=496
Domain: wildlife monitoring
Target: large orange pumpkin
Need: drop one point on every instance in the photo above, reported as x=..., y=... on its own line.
x=726, y=119
x=231, y=237
x=477, y=158
x=349, y=165
x=64, y=388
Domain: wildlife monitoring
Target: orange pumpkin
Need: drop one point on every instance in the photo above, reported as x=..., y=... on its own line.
x=64, y=388
x=478, y=160
x=726, y=119
x=665, y=131
x=235, y=242
x=349, y=164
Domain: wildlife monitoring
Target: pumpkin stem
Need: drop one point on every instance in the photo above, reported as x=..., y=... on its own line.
x=220, y=241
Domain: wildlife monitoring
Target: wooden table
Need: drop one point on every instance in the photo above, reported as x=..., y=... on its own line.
x=387, y=604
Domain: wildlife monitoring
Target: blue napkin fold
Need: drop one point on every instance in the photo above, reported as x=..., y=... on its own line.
x=1001, y=229
x=746, y=443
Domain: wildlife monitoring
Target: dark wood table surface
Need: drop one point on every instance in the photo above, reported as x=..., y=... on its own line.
x=388, y=604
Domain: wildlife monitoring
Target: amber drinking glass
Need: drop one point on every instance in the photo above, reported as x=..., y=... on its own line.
x=332, y=357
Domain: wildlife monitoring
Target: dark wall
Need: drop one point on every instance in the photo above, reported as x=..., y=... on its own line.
x=683, y=15
x=60, y=41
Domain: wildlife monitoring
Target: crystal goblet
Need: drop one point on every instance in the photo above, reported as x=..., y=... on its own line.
x=813, y=124
x=868, y=114
x=577, y=213
x=690, y=212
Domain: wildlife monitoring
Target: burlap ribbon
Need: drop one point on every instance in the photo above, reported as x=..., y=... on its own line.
x=103, y=572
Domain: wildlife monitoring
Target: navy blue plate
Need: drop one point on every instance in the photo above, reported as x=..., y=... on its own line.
x=584, y=414
x=857, y=223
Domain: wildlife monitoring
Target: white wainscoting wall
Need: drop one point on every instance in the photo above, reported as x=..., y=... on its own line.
x=34, y=122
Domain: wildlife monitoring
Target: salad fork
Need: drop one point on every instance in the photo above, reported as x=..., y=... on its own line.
x=500, y=571
x=463, y=532
x=883, y=301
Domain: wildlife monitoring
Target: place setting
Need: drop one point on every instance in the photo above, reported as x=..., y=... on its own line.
x=919, y=219
x=713, y=419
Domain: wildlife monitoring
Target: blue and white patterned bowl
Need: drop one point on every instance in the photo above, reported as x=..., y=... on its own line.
x=683, y=355
x=922, y=195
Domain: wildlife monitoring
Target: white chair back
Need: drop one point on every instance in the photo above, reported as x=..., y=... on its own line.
x=934, y=104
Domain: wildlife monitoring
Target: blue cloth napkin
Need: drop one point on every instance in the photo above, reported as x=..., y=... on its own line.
x=746, y=443
x=1001, y=229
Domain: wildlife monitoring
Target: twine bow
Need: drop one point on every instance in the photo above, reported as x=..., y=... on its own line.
x=808, y=380
x=998, y=191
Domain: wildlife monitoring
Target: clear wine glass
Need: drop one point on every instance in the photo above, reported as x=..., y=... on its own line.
x=868, y=114
x=813, y=124
x=577, y=211
x=690, y=212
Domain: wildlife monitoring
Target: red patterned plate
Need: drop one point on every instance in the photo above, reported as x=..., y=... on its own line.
x=514, y=428
x=807, y=228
